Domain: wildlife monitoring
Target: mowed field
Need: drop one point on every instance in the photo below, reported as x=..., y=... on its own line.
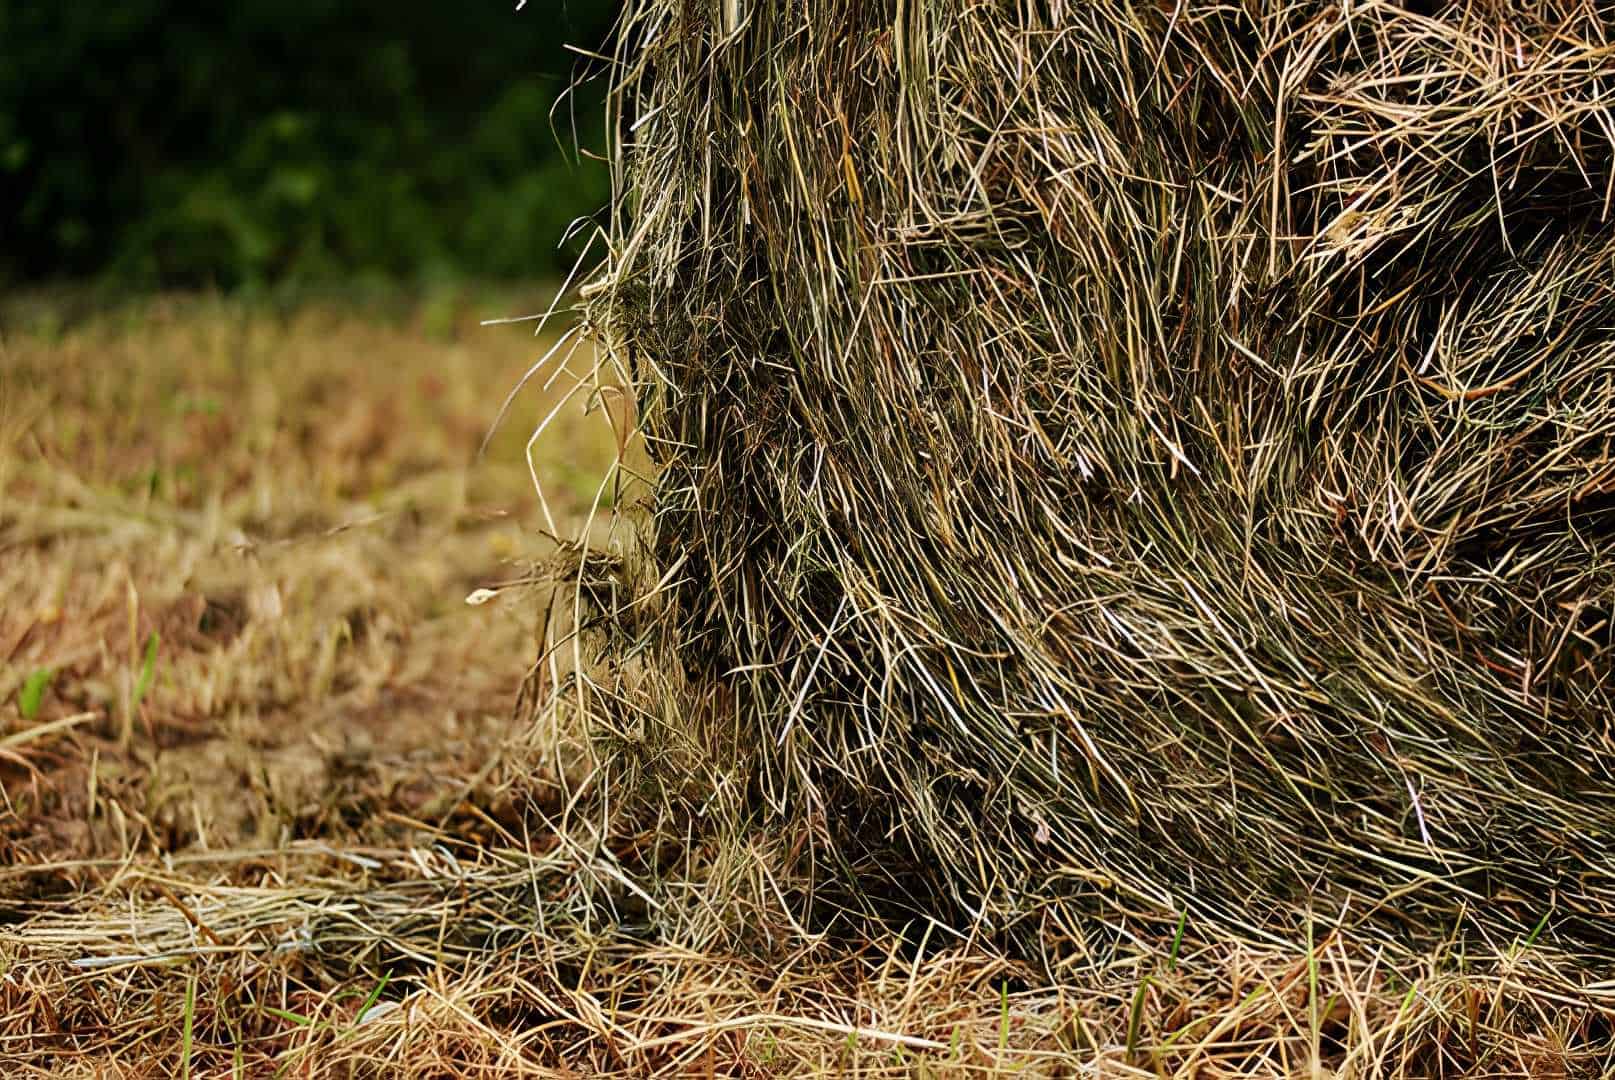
x=274, y=803
x=236, y=550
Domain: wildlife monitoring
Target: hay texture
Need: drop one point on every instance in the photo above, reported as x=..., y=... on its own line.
x=1136, y=457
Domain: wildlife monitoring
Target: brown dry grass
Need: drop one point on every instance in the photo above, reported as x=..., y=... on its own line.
x=317, y=844
x=288, y=506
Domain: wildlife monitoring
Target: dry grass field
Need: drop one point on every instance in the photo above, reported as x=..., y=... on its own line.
x=237, y=545
x=270, y=808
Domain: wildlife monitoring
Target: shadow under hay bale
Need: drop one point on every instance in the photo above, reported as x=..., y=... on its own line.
x=1136, y=458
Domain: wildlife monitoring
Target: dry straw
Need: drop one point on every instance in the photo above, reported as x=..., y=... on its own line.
x=1123, y=459
x=1128, y=552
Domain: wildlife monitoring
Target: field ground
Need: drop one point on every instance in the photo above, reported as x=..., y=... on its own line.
x=269, y=808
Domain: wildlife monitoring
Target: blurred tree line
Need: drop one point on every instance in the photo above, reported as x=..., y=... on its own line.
x=165, y=142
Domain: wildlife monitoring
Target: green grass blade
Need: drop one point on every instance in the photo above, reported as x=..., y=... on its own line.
x=1536, y=931
x=1003, y=1018
x=148, y=669
x=187, y=1027
x=32, y=694
x=371, y=998
x=1135, y=1018
x=1177, y=941
x=291, y=1017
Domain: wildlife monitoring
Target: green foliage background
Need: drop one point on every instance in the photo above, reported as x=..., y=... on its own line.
x=160, y=142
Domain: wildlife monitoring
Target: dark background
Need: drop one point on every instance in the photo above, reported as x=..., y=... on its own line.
x=165, y=143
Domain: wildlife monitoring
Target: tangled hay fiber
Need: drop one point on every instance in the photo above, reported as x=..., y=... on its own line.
x=1137, y=457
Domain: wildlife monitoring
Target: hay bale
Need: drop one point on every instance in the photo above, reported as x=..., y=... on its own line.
x=1137, y=457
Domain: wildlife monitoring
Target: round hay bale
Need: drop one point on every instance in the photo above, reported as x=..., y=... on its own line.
x=1140, y=456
